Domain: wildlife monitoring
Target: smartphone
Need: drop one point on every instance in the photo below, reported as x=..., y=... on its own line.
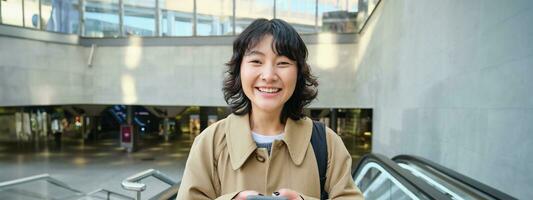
x=257, y=197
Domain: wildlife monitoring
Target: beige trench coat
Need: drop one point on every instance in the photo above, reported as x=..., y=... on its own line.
x=225, y=160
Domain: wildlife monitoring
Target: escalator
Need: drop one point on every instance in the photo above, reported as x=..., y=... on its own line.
x=447, y=181
x=378, y=178
x=412, y=177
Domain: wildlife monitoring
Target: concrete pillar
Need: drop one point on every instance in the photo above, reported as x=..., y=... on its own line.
x=333, y=119
x=129, y=121
x=204, y=116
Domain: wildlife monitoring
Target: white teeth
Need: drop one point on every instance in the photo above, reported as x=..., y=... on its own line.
x=269, y=90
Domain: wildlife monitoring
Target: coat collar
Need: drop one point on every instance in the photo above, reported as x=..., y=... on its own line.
x=241, y=145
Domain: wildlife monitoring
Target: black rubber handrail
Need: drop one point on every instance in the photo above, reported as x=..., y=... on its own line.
x=169, y=193
x=483, y=188
x=411, y=182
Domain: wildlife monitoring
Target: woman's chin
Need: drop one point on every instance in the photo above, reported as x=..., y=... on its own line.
x=269, y=108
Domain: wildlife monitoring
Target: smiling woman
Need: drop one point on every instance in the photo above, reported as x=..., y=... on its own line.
x=264, y=147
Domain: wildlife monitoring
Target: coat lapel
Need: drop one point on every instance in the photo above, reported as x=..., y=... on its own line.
x=298, y=138
x=239, y=139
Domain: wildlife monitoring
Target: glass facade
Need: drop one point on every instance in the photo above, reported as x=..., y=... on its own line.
x=247, y=11
x=139, y=17
x=101, y=18
x=299, y=13
x=12, y=12
x=214, y=17
x=60, y=15
x=121, y=18
x=337, y=16
x=31, y=14
x=177, y=17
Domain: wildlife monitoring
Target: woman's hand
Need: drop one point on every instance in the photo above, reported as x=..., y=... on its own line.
x=242, y=195
x=289, y=194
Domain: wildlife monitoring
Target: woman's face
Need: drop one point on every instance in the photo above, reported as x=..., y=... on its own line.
x=267, y=79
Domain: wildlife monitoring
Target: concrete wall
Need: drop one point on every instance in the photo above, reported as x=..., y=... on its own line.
x=41, y=73
x=37, y=72
x=450, y=81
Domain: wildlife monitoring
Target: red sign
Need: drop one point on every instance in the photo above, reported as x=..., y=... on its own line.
x=126, y=133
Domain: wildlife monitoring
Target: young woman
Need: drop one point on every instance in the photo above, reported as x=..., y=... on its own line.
x=263, y=147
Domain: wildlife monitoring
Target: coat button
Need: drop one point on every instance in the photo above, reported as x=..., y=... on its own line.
x=259, y=158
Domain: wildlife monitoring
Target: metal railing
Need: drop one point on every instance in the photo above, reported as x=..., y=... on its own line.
x=49, y=179
x=108, y=194
x=132, y=183
x=45, y=177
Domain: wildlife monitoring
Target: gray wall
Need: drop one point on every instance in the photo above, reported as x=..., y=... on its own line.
x=41, y=73
x=145, y=71
x=449, y=81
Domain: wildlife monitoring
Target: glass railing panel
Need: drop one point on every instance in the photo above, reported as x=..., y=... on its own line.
x=106, y=195
x=40, y=189
x=444, y=184
x=376, y=183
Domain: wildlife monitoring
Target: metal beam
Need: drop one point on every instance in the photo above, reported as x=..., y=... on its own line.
x=41, y=27
x=1, y=11
x=121, y=18
x=157, y=19
x=316, y=16
x=234, y=18
x=274, y=9
x=23, y=17
x=194, y=17
x=82, y=17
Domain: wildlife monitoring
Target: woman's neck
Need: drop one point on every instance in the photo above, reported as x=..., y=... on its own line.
x=266, y=123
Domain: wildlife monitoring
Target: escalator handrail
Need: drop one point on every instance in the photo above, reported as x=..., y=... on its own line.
x=490, y=191
x=131, y=183
x=407, y=179
x=168, y=194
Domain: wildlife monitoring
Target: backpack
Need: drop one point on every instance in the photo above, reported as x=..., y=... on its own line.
x=320, y=146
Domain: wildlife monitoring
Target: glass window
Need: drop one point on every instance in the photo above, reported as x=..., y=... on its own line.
x=60, y=15
x=299, y=13
x=139, y=17
x=214, y=17
x=247, y=11
x=176, y=17
x=101, y=18
x=12, y=12
x=337, y=16
x=31, y=13
x=366, y=7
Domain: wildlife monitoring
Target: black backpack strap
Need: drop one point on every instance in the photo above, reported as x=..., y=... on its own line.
x=320, y=146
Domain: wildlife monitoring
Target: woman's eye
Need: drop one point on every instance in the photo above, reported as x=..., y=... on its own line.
x=256, y=61
x=284, y=64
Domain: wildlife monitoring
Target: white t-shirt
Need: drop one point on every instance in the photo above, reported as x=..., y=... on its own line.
x=265, y=139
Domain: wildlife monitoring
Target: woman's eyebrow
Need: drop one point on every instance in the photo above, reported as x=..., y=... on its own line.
x=254, y=52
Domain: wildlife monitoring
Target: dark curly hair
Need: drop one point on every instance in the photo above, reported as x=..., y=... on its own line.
x=286, y=42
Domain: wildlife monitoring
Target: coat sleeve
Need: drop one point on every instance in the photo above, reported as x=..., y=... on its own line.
x=339, y=182
x=200, y=179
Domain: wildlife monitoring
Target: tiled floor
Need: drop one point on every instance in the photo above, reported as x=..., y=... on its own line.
x=103, y=164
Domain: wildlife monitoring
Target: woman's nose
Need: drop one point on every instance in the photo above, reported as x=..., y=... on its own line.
x=268, y=73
